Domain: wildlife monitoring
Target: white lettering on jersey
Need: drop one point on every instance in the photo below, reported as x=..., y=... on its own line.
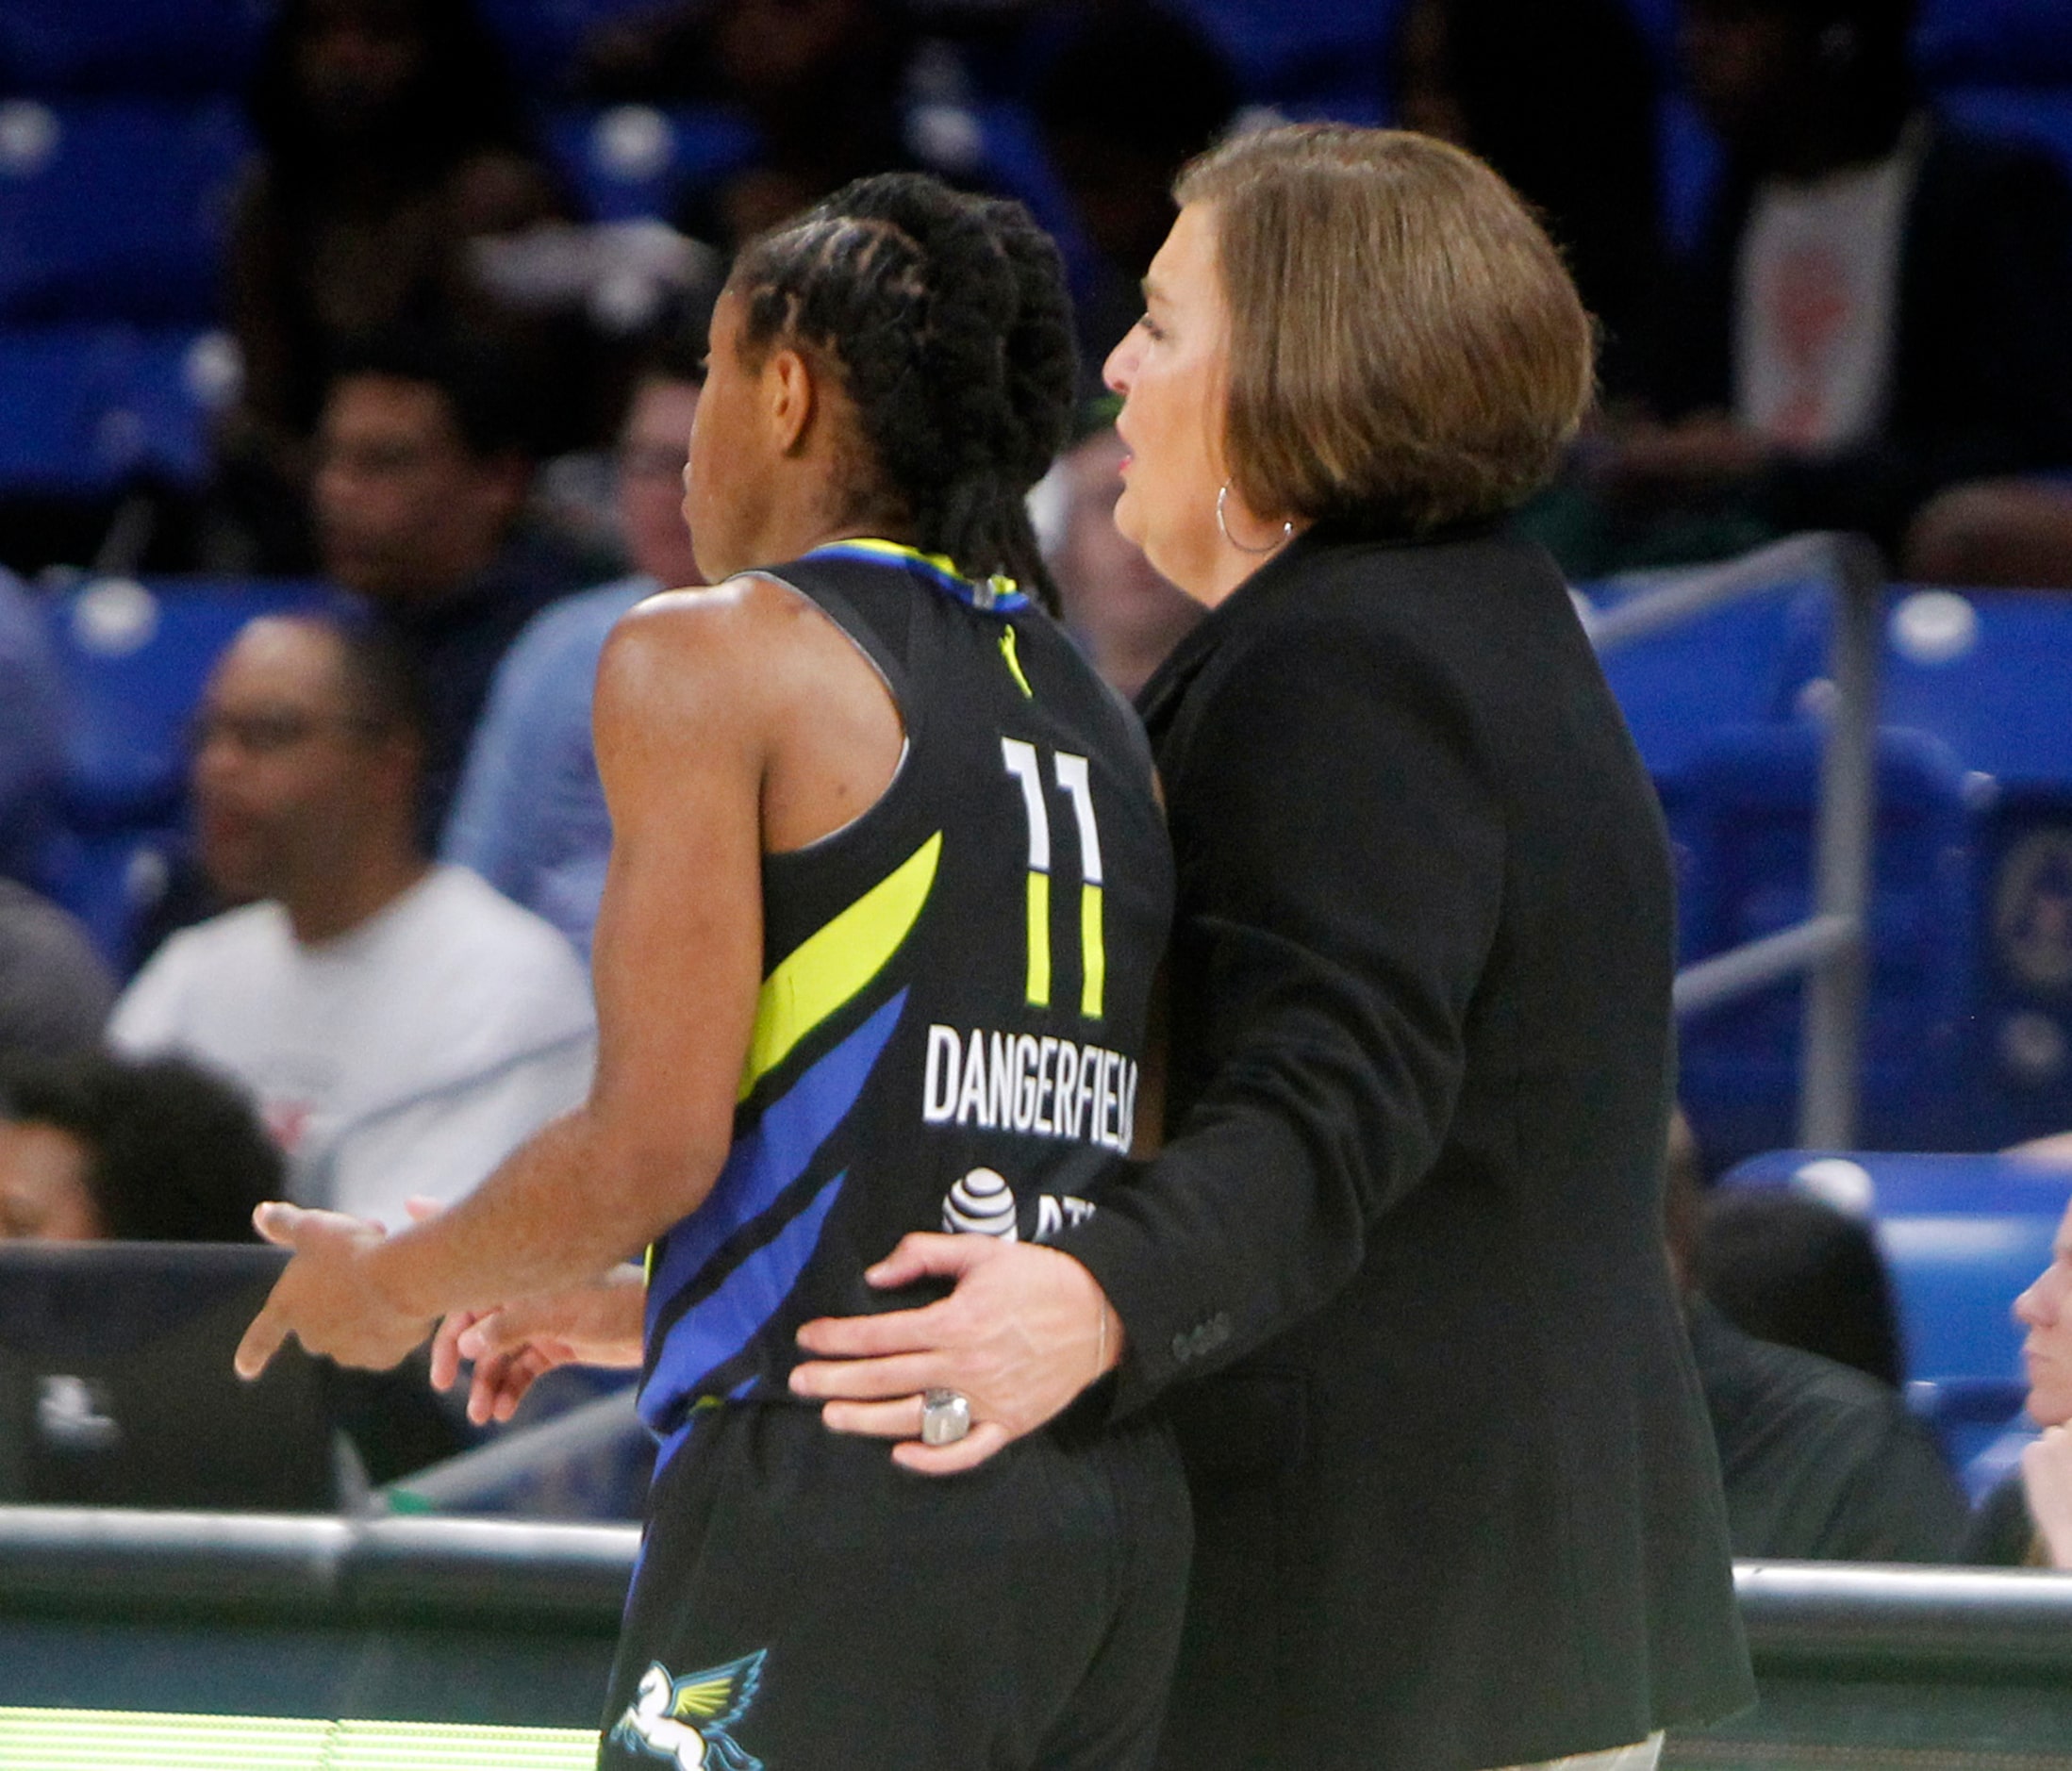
x=1056, y=1210
x=938, y=1095
x=1047, y=1087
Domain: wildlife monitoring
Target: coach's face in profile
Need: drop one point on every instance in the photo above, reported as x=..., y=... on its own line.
x=1172, y=369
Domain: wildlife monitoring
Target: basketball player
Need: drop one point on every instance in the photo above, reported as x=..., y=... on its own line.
x=888, y=884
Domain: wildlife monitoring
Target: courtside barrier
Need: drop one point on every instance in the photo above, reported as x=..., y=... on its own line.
x=489, y=1622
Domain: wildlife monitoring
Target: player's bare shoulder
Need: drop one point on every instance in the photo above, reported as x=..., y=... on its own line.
x=702, y=656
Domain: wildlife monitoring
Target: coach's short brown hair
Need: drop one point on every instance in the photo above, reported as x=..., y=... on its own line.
x=1406, y=344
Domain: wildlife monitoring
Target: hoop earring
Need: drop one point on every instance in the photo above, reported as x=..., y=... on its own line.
x=1288, y=527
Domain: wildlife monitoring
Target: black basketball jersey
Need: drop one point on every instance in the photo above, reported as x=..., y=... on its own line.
x=955, y=984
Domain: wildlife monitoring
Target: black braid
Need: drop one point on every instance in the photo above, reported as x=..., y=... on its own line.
x=947, y=320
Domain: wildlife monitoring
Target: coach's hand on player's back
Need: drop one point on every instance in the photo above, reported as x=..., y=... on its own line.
x=1025, y=1331
x=327, y=1297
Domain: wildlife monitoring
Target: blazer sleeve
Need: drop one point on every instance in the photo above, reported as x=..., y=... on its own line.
x=1341, y=850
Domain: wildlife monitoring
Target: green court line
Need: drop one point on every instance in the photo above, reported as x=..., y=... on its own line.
x=117, y=1739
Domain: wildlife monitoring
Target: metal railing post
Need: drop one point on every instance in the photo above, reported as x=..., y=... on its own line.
x=1831, y=1033
x=1829, y=948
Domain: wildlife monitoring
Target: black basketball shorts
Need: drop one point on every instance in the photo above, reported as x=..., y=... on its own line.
x=802, y=1604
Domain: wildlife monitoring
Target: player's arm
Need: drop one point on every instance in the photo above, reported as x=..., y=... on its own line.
x=683, y=729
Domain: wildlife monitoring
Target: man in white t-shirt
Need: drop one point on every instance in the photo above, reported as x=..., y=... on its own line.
x=401, y=1025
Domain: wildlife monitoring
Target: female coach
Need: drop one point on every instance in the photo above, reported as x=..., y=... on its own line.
x=1398, y=1271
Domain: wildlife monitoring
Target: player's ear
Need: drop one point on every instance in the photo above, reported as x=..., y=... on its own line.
x=793, y=397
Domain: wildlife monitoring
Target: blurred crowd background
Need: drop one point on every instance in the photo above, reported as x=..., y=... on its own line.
x=348, y=350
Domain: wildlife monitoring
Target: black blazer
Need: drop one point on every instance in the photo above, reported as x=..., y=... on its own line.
x=1457, y=1498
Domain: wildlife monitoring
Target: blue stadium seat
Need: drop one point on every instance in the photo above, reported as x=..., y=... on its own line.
x=1731, y=667
x=134, y=659
x=57, y=387
x=90, y=409
x=115, y=209
x=1741, y=822
x=1985, y=670
x=163, y=47
x=2041, y=117
x=1985, y=673
x=2011, y=42
x=633, y=161
x=1962, y=1236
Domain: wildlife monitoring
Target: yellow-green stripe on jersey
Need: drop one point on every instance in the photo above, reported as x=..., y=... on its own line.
x=827, y=969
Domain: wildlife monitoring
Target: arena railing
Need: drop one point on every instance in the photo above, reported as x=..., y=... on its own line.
x=437, y=1620
x=1828, y=949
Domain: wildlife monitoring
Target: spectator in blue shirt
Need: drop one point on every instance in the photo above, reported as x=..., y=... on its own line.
x=530, y=814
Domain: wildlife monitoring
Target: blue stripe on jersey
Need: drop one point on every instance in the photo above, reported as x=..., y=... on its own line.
x=722, y=1325
x=758, y=1169
x=761, y=1165
x=668, y=1448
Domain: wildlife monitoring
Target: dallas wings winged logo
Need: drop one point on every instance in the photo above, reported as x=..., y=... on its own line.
x=686, y=1721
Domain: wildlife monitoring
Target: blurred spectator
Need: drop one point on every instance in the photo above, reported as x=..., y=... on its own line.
x=2013, y=532
x=530, y=817
x=420, y=498
x=1790, y=1269
x=1877, y=308
x=2028, y=1519
x=1559, y=96
x=100, y=1148
x=401, y=1026
x=821, y=80
x=389, y=137
x=1818, y=1461
x=1126, y=615
x=1131, y=94
x=95, y=1147
x=55, y=992
x=31, y=732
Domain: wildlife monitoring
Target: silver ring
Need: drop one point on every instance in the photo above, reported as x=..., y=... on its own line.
x=945, y=1417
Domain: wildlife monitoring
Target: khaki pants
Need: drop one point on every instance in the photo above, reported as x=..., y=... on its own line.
x=1641, y=1756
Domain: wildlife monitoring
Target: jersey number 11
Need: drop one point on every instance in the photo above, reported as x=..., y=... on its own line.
x=1070, y=773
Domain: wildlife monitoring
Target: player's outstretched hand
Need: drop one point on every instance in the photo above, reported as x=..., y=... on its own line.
x=327, y=1297
x=1024, y=1331
x=510, y=1347
x=2047, y=1481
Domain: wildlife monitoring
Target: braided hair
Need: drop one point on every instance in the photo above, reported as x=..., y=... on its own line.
x=945, y=318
